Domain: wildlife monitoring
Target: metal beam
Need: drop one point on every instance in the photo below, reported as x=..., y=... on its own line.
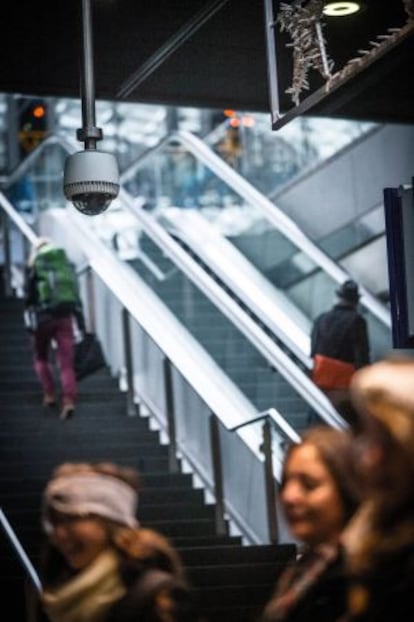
x=169, y=47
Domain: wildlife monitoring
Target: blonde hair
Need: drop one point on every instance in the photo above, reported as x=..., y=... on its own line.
x=135, y=543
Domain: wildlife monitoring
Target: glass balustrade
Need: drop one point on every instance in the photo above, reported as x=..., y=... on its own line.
x=270, y=159
x=175, y=176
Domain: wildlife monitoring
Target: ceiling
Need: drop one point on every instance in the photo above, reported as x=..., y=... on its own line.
x=151, y=51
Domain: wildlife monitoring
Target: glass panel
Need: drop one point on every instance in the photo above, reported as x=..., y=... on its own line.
x=42, y=186
x=175, y=177
x=361, y=231
x=224, y=342
x=270, y=159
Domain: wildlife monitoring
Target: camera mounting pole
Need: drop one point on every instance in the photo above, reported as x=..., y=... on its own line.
x=91, y=177
x=89, y=134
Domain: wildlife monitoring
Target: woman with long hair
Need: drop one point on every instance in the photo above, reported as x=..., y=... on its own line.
x=100, y=565
x=318, y=494
x=380, y=539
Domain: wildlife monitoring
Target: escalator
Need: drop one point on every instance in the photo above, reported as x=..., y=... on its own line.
x=242, y=278
x=290, y=266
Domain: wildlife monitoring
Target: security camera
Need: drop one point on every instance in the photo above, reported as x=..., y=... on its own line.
x=91, y=181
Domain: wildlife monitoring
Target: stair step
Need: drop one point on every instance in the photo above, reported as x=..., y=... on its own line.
x=191, y=541
x=83, y=451
x=244, y=554
x=147, y=464
x=146, y=513
x=202, y=527
x=10, y=436
x=147, y=497
x=210, y=598
x=150, y=480
x=235, y=574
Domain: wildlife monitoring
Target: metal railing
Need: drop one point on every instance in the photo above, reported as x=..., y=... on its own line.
x=116, y=305
x=20, y=552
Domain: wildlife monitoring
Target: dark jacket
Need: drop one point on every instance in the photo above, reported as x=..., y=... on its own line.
x=387, y=595
x=144, y=586
x=341, y=333
x=323, y=598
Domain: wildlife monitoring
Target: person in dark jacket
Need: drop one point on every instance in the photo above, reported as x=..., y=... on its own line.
x=379, y=540
x=318, y=494
x=339, y=346
x=100, y=565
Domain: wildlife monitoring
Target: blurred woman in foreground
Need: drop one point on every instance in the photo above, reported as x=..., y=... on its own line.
x=318, y=496
x=100, y=565
x=380, y=539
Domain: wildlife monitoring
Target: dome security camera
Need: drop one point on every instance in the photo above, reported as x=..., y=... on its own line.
x=91, y=181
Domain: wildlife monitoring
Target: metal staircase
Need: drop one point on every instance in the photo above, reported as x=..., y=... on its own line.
x=231, y=581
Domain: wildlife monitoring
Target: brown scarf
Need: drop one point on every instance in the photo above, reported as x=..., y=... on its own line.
x=297, y=580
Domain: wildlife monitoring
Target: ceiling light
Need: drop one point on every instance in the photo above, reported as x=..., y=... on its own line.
x=339, y=9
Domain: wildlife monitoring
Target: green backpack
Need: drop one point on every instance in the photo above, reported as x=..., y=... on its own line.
x=56, y=281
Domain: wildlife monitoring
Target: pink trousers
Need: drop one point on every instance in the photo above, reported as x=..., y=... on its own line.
x=61, y=331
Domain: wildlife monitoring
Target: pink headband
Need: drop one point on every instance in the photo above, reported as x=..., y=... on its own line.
x=91, y=493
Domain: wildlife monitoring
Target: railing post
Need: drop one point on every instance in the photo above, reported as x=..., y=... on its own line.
x=31, y=601
x=269, y=482
x=126, y=334
x=90, y=293
x=26, y=250
x=170, y=412
x=221, y=528
x=7, y=258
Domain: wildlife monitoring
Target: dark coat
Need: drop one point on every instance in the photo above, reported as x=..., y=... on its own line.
x=388, y=592
x=324, y=598
x=341, y=333
x=143, y=586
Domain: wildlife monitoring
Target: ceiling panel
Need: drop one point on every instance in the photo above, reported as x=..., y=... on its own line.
x=221, y=65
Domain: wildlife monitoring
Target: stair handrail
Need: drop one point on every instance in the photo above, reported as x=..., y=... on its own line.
x=277, y=421
x=21, y=553
x=18, y=220
x=24, y=165
x=271, y=419
x=270, y=210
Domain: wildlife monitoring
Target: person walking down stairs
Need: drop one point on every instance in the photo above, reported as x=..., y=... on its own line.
x=51, y=300
x=100, y=565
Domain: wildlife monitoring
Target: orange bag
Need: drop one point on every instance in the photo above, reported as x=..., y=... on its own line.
x=329, y=373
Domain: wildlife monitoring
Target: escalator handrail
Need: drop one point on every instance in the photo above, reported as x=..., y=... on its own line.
x=270, y=211
x=246, y=282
